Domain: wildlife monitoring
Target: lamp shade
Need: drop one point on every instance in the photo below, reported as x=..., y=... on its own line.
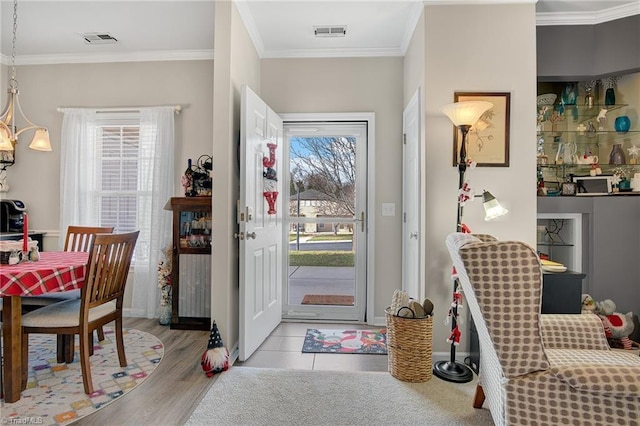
x=5, y=142
x=467, y=112
x=492, y=208
x=40, y=141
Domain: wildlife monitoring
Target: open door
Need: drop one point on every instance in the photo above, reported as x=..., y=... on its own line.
x=411, y=200
x=260, y=216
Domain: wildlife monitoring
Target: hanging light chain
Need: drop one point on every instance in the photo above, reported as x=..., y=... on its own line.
x=13, y=41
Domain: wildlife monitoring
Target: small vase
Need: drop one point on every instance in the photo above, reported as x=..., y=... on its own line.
x=165, y=315
x=609, y=97
x=622, y=124
x=617, y=155
x=570, y=94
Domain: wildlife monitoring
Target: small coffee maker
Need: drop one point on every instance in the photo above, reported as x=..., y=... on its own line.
x=12, y=215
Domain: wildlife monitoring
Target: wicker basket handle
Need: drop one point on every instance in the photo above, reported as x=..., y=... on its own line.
x=413, y=314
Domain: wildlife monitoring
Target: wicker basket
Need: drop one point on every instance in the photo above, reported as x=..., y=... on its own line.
x=409, y=346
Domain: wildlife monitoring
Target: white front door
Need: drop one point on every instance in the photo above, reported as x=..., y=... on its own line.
x=411, y=199
x=260, y=223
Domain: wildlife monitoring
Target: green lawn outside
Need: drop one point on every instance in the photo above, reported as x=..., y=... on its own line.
x=321, y=258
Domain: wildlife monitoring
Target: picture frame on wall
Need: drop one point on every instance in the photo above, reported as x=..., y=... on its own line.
x=488, y=139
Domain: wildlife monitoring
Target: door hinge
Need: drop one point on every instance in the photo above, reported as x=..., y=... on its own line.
x=404, y=138
x=404, y=217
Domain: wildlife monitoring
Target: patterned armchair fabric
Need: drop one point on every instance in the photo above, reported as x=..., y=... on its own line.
x=538, y=369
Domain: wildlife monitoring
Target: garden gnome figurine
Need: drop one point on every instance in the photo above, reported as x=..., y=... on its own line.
x=216, y=358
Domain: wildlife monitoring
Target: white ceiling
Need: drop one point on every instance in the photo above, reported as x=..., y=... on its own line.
x=50, y=31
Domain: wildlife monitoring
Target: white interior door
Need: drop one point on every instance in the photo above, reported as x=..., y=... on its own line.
x=260, y=229
x=411, y=199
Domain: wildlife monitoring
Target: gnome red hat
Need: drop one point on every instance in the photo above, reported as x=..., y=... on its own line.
x=216, y=358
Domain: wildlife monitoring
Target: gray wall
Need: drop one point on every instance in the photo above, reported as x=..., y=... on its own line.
x=580, y=52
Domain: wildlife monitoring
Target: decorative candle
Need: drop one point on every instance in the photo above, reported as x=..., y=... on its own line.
x=25, y=235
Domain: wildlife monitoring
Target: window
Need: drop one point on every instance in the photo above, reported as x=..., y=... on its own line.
x=117, y=169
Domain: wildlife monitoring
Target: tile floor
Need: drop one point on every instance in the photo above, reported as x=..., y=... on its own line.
x=283, y=349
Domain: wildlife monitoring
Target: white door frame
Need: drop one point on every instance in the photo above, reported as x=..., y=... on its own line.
x=369, y=118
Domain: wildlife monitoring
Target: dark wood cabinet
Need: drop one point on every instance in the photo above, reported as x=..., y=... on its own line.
x=191, y=263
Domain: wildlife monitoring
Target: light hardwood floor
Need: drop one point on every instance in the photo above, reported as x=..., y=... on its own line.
x=172, y=392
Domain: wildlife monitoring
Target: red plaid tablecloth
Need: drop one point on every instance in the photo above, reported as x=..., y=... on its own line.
x=55, y=271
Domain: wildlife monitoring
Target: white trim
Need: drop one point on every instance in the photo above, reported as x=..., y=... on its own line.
x=370, y=119
x=96, y=58
x=411, y=27
x=334, y=53
x=588, y=18
x=250, y=25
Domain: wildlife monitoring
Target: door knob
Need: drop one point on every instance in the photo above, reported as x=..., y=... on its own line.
x=413, y=235
x=239, y=235
x=251, y=235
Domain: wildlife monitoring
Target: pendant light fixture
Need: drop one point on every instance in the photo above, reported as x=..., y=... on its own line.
x=9, y=131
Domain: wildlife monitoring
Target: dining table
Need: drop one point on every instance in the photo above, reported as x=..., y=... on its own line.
x=55, y=271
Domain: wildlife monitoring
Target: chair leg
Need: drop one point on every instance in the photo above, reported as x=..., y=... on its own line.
x=120, y=343
x=90, y=343
x=478, y=399
x=100, y=332
x=25, y=360
x=85, y=364
x=65, y=348
x=60, y=349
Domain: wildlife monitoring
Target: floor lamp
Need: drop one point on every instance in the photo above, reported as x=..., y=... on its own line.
x=463, y=115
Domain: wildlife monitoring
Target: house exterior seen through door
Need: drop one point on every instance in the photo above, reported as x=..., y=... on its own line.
x=326, y=220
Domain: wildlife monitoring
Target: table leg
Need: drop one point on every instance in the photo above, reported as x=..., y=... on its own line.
x=12, y=339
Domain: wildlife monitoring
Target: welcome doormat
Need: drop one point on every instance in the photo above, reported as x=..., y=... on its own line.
x=350, y=341
x=327, y=299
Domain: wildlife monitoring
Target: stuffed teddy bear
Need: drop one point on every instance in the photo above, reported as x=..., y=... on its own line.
x=617, y=326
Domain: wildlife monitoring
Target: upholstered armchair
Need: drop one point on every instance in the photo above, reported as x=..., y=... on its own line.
x=538, y=369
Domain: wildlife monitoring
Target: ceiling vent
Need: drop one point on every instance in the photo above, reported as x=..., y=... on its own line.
x=330, y=31
x=99, y=38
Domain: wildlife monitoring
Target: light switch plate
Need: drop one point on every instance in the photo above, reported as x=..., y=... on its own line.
x=388, y=209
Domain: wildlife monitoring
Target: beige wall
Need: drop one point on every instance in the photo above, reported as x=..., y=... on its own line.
x=236, y=63
x=486, y=48
x=35, y=178
x=354, y=85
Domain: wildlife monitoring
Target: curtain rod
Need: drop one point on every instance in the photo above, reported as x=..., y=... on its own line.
x=176, y=108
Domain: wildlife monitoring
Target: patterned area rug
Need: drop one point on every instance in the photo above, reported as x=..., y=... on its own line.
x=55, y=395
x=346, y=341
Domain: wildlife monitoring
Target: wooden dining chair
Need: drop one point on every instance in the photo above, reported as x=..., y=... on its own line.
x=100, y=303
x=78, y=238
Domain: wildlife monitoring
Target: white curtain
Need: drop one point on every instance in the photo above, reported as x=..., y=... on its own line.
x=80, y=180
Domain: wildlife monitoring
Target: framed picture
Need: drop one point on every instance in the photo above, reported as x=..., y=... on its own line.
x=488, y=139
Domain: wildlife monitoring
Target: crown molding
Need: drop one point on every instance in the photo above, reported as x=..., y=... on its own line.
x=94, y=58
x=411, y=27
x=333, y=53
x=588, y=18
x=250, y=25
